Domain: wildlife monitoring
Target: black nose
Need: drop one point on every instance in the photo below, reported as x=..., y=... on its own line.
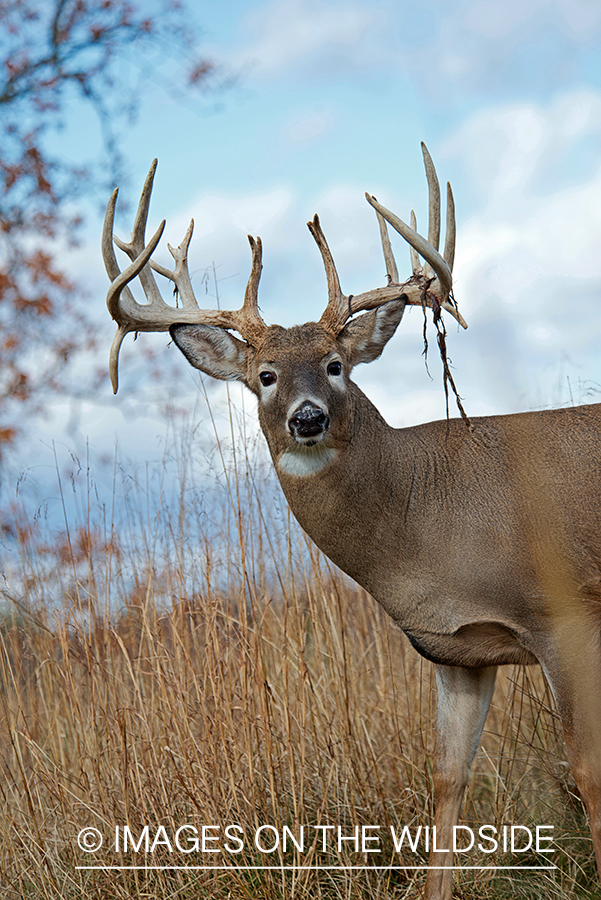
x=308, y=420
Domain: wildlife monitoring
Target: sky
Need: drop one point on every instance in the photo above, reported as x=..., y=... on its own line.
x=331, y=98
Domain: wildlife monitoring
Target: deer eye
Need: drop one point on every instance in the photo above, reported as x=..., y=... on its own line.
x=267, y=378
x=334, y=368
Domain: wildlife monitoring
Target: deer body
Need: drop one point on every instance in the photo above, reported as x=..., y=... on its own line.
x=435, y=525
x=483, y=543
x=481, y=540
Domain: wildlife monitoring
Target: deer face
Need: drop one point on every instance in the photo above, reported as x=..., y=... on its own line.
x=301, y=377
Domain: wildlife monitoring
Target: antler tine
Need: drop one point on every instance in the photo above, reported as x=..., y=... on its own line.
x=451, y=230
x=433, y=199
x=336, y=312
x=251, y=324
x=334, y=289
x=416, y=266
x=449, y=251
x=138, y=238
x=392, y=273
x=180, y=276
x=251, y=295
x=108, y=251
x=143, y=207
x=122, y=330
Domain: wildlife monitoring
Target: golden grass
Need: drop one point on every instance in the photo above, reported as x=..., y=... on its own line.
x=195, y=661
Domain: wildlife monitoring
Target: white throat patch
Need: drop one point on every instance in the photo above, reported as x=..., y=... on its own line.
x=304, y=461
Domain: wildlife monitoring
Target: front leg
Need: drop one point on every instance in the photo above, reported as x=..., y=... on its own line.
x=464, y=697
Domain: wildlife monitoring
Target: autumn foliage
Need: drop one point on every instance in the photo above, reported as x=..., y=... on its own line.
x=54, y=54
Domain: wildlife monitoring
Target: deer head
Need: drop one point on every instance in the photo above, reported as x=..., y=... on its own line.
x=300, y=375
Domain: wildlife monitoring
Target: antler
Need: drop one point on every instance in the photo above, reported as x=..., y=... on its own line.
x=156, y=315
x=431, y=283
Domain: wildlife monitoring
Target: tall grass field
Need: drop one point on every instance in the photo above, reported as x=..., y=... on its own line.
x=182, y=671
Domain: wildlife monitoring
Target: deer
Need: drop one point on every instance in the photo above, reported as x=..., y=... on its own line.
x=480, y=538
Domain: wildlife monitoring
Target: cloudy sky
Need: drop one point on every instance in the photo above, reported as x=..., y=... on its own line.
x=332, y=98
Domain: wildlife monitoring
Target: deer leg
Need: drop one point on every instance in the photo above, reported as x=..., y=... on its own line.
x=464, y=697
x=575, y=679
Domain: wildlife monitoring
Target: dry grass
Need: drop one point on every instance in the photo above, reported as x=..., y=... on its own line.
x=193, y=660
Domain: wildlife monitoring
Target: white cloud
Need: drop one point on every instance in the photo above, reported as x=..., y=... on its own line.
x=483, y=46
x=511, y=154
x=219, y=213
x=521, y=147
x=471, y=45
x=308, y=126
x=288, y=33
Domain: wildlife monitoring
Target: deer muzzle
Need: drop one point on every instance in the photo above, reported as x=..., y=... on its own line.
x=307, y=422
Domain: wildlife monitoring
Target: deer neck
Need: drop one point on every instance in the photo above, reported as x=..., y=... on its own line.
x=345, y=506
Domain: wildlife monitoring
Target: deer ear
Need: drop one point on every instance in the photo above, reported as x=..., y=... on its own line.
x=212, y=350
x=365, y=337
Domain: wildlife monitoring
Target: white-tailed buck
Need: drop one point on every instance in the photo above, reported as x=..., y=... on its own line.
x=482, y=540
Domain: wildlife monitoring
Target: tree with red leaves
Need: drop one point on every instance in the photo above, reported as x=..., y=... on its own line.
x=54, y=53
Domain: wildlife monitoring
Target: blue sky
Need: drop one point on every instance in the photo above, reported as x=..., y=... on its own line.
x=332, y=99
